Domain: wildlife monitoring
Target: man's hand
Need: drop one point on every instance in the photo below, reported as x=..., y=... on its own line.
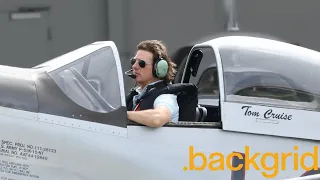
x=153, y=117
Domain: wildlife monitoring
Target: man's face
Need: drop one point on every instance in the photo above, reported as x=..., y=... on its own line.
x=143, y=74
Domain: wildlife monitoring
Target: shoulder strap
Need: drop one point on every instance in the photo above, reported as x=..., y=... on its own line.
x=129, y=99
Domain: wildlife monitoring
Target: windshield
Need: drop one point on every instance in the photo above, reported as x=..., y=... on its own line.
x=91, y=81
x=271, y=77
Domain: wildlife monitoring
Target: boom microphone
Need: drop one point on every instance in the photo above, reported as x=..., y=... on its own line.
x=130, y=74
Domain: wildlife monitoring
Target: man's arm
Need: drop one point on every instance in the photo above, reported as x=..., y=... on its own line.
x=153, y=117
x=166, y=108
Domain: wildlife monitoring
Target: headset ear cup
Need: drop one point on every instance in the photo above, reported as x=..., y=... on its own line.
x=161, y=68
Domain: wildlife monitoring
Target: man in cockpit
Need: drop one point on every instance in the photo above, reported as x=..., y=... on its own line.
x=152, y=70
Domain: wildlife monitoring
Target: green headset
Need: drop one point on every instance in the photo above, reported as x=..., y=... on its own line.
x=160, y=68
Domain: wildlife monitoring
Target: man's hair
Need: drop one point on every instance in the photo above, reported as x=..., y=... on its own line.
x=159, y=49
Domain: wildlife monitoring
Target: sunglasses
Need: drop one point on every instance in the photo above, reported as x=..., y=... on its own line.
x=142, y=63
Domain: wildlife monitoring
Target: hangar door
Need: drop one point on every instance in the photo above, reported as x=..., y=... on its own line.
x=24, y=37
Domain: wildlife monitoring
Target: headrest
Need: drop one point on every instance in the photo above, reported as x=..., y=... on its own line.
x=183, y=87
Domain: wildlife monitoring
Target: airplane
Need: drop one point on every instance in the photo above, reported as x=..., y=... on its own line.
x=257, y=116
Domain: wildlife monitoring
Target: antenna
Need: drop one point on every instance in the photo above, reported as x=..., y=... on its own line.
x=230, y=9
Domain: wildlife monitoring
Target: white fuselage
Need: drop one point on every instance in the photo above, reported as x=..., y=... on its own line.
x=51, y=147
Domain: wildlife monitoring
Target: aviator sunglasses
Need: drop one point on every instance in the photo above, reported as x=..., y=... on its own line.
x=142, y=63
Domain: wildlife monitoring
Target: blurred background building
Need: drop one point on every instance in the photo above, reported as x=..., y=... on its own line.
x=34, y=31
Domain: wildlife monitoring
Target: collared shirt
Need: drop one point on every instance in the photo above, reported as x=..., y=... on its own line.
x=168, y=100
